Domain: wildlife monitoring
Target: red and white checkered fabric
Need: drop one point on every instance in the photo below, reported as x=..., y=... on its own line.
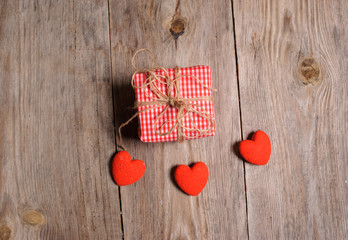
x=189, y=88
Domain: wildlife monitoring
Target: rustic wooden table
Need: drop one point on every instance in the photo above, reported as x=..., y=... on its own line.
x=65, y=69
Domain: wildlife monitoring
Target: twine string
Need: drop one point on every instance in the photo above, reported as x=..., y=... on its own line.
x=172, y=98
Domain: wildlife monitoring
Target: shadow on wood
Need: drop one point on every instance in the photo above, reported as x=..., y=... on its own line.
x=235, y=149
x=124, y=98
x=110, y=167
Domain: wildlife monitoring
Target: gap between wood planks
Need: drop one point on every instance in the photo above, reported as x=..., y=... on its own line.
x=240, y=117
x=114, y=109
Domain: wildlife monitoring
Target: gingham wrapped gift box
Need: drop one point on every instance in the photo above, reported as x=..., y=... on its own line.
x=157, y=122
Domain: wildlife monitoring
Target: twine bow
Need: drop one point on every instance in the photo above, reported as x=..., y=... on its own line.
x=172, y=98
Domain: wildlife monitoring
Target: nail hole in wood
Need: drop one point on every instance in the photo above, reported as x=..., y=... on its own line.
x=33, y=217
x=309, y=71
x=5, y=232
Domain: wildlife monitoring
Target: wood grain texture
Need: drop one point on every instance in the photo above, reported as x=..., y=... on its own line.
x=154, y=208
x=56, y=122
x=302, y=193
x=61, y=73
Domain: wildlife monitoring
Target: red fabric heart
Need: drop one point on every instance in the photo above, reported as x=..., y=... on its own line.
x=192, y=180
x=125, y=170
x=257, y=150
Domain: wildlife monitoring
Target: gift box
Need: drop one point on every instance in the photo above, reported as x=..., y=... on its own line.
x=174, y=104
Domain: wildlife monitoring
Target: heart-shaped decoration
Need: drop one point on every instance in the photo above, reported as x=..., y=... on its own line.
x=192, y=180
x=126, y=171
x=257, y=150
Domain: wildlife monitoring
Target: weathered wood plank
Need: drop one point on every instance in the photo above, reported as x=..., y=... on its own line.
x=56, y=121
x=302, y=192
x=154, y=208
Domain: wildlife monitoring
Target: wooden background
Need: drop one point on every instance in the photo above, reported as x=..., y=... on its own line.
x=280, y=66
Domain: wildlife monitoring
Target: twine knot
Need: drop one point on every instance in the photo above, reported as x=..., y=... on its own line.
x=176, y=103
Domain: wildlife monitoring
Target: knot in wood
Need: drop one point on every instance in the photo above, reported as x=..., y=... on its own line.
x=5, y=232
x=33, y=217
x=177, y=27
x=309, y=71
